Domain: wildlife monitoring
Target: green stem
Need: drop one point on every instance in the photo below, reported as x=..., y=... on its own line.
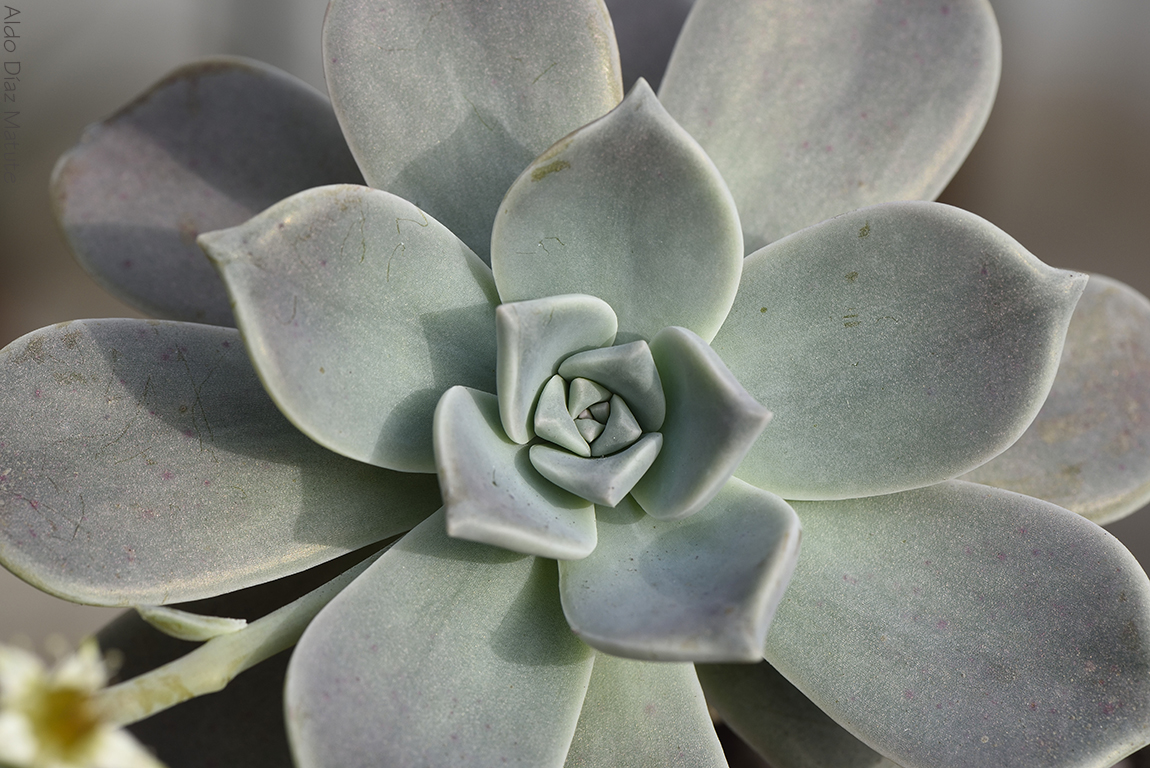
x=214, y=664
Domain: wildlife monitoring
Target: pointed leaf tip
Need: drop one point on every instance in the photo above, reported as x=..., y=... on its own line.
x=813, y=109
x=493, y=84
x=1088, y=449
x=898, y=345
x=601, y=480
x=702, y=588
x=629, y=209
x=359, y=310
x=711, y=423
x=206, y=147
x=491, y=491
x=950, y=606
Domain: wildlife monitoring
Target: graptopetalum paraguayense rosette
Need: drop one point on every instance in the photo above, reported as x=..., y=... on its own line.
x=897, y=346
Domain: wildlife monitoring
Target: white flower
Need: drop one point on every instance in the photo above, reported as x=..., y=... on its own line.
x=51, y=718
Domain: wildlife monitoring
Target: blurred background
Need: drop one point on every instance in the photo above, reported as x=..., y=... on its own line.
x=1062, y=166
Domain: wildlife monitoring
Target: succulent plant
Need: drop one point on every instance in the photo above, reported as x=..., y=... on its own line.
x=539, y=313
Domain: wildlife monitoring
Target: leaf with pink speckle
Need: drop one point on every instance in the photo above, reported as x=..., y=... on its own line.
x=637, y=715
x=141, y=462
x=1089, y=447
x=1011, y=630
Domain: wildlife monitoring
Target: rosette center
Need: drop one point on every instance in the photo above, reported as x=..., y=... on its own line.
x=598, y=445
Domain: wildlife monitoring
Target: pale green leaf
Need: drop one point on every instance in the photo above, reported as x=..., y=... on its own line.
x=583, y=394
x=620, y=431
x=185, y=625
x=603, y=480
x=491, y=491
x=711, y=423
x=899, y=345
x=639, y=715
x=443, y=653
x=534, y=337
x=207, y=147
x=359, y=311
x=1089, y=448
x=628, y=209
x=589, y=429
x=1010, y=630
x=813, y=109
x=552, y=421
x=782, y=724
x=629, y=371
x=444, y=103
x=700, y=589
x=141, y=462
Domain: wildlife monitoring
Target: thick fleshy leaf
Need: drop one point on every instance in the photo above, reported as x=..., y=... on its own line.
x=444, y=103
x=533, y=339
x=207, y=147
x=188, y=626
x=583, y=394
x=589, y=428
x=628, y=209
x=1089, y=447
x=359, y=311
x=620, y=431
x=552, y=421
x=639, y=715
x=711, y=423
x=491, y=491
x=444, y=652
x=700, y=589
x=629, y=371
x=142, y=463
x=782, y=724
x=814, y=109
x=603, y=480
x=1010, y=630
x=899, y=346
